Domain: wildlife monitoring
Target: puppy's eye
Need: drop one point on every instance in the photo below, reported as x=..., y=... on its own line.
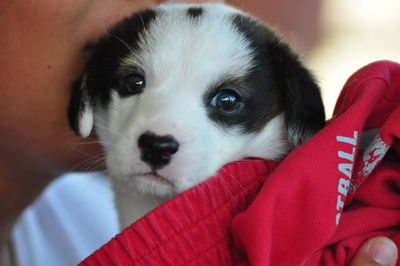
x=227, y=101
x=132, y=84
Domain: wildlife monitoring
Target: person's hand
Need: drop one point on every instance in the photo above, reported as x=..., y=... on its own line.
x=376, y=251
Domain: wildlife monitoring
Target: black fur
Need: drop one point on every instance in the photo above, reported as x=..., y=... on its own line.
x=282, y=84
x=195, y=12
x=101, y=70
x=124, y=38
x=259, y=104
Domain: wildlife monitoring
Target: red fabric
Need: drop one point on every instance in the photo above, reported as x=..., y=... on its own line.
x=192, y=229
x=315, y=208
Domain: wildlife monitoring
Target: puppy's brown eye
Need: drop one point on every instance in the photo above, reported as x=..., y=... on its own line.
x=132, y=84
x=227, y=101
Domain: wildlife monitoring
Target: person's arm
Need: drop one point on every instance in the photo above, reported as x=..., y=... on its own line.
x=42, y=53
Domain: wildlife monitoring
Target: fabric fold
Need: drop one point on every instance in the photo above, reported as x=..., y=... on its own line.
x=193, y=228
x=316, y=207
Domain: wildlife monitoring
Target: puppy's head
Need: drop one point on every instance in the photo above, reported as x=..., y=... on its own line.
x=177, y=91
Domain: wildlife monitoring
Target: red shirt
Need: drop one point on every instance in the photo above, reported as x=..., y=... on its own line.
x=314, y=208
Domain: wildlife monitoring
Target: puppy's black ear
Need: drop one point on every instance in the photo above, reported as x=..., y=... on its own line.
x=303, y=107
x=300, y=96
x=80, y=112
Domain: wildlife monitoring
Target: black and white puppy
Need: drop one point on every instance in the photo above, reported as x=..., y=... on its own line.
x=177, y=91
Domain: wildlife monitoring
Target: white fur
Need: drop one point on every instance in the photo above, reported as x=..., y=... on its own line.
x=181, y=62
x=86, y=121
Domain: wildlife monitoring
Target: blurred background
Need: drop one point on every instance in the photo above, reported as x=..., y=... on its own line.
x=353, y=34
x=334, y=37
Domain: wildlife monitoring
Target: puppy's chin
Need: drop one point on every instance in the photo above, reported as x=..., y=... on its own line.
x=154, y=184
x=146, y=184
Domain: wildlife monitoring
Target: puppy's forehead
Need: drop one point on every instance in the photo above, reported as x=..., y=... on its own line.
x=189, y=39
x=204, y=45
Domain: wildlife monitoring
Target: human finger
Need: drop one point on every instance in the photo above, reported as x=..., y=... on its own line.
x=376, y=251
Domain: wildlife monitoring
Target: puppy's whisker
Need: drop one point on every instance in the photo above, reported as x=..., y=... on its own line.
x=89, y=162
x=225, y=184
x=75, y=148
x=89, y=142
x=211, y=190
x=127, y=45
x=66, y=133
x=94, y=165
x=141, y=19
x=233, y=178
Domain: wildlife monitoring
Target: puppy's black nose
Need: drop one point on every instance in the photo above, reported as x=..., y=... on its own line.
x=157, y=150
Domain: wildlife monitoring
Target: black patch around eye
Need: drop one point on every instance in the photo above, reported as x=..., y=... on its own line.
x=225, y=104
x=248, y=108
x=285, y=78
x=107, y=53
x=261, y=97
x=195, y=12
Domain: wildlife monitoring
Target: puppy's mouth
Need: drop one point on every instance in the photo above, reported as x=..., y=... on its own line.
x=155, y=177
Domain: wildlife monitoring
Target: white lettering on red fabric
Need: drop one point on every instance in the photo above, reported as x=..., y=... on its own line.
x=345, y=168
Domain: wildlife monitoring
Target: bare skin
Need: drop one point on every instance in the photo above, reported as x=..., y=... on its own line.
x=41, y=53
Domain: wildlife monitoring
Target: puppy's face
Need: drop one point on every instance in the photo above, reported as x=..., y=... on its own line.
x=177, y=91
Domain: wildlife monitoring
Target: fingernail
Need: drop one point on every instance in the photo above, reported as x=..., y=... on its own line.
x=383, y=252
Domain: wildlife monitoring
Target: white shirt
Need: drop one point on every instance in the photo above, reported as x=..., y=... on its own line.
x=72, y=218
